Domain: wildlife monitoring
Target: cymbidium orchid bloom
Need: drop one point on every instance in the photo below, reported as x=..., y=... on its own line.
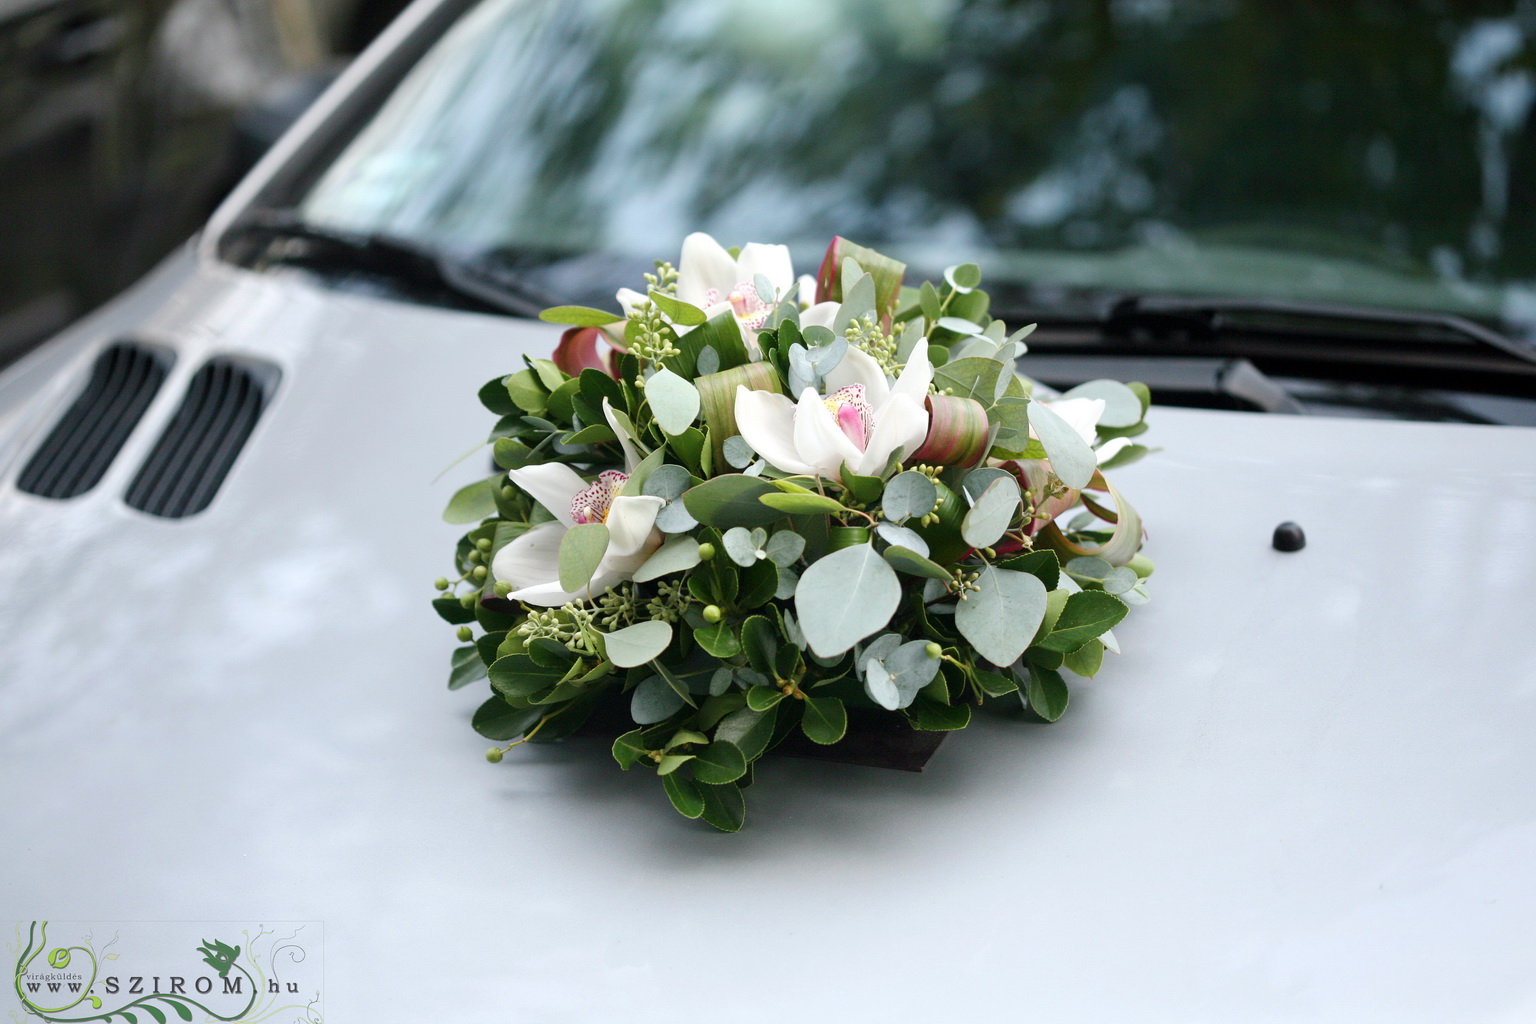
x=709, y=277
x=860, y=423
x=531, y=563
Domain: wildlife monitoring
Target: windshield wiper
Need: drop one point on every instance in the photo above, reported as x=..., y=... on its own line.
x=268, y=237
x=1204, y=319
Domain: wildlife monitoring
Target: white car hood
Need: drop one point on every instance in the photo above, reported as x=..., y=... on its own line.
x=1307, y=790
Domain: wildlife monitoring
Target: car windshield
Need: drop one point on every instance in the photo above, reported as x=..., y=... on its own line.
x=1351, y=152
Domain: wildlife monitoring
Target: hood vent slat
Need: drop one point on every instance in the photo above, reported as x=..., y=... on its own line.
x=190, y=461
x=76, y=453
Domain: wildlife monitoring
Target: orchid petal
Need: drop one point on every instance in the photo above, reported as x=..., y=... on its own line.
x=530, y=559
x=916, y=376
x=630, y=300
x=822, y=314
x=806, y=295
x=553, y=485
x=900, y=423
x=631, y=457
x=818, y=438
x=859, y=367
x=704, y=265
x=630, y=520
x=1111, y=448
x=766, y=421
x=772, y=261
x=549, y=595
x=1081, y=414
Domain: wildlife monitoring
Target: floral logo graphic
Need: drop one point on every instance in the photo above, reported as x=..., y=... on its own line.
x=82, y=983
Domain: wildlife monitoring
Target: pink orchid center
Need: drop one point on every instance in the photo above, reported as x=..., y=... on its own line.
x=751, y=309
x=591, y=504
x=851, y=410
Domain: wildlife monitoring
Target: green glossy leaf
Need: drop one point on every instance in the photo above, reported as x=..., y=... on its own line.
x=1043, y=564
x=1086, y=660
x=913, y=564
x=635, y=645
x=761, y=698
x=994, y=684
x=1001, y=616
x=678, y=311
x=724, y=807
x=527, y=393
x=825, y=720
x=845, y=597
x=473, y=502
x=1047, y=693
x=630, y=747
x=760, y=639
x=719, y=763
x=750, y=730
x=686, y=797
x=466, y=668
x=931, y=716
x=731, y=500
x=673, y=400
x=450, y=610
x=1086, y=616
x=718, y=639
x=670, y=763
x=801, y=504
x=579, y=316
x=497, y=720
x=581, y=551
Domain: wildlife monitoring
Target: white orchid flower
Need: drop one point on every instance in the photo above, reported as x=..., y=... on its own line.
x=531, y=562
x=709, y=277
x=860, y=424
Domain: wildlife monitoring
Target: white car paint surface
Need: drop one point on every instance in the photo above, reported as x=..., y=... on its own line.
x=1304, y=792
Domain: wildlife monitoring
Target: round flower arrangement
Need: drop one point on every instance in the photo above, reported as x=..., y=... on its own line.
x=751, y=502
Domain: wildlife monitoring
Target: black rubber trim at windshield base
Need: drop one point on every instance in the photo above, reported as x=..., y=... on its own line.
x=194, y=455
x=81, y=446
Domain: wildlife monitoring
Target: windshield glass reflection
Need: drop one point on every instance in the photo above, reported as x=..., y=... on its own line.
x=1345, y=152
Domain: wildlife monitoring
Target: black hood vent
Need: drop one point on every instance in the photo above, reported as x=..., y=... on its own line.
x=200, y=444
x=76, y=453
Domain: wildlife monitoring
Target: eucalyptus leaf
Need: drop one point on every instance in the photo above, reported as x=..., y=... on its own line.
x=909, y=495
x=676, y=555
x=880, y=686
x=738, y=452
x=988, y=519
x=963, y=277
x=1000, y=617
x=473, y=502
x=785, y=548
x=637, y=644
x=673, y=400
x=900, y=536
x=708, y=361
x=846, y=596
x=742, y=546
x=653, y=701
x=1122, y=406
x=581, y=551
x=1071, y=458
